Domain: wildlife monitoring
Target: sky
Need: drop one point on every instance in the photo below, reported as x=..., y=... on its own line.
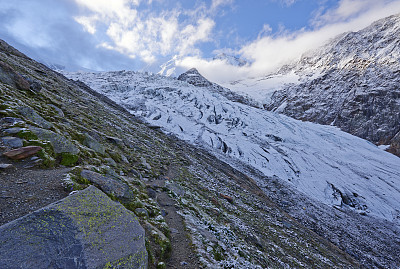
x=142, y=35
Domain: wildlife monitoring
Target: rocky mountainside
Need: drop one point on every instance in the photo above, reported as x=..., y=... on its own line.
x=196, y=210
x=306, y=168
x=352, y=83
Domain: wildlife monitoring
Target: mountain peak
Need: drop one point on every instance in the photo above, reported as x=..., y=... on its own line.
x=192, y=76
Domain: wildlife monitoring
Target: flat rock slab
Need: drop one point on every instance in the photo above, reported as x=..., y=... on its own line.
x=60, y=143
x=22, y=153
x=109, y=185
x=85, y=230
x=31, y=115
x=13, y=142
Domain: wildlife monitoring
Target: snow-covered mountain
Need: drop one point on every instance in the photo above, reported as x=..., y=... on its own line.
x=192, y=76
x=322, y=162
x=352, y=82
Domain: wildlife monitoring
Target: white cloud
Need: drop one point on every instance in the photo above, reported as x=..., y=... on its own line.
x=269, y=52
x=147, y=34
x=217, y=3
x=287, y=3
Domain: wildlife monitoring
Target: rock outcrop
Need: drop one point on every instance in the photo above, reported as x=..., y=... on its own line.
x=85, y=230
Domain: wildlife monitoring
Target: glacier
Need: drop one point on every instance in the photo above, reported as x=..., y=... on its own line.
x=322, y=162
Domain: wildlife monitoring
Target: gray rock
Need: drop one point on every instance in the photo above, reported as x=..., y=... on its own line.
x=151, y=193
x=14, y=130
x=124, y=159
x=31, y=115
x=115, y=141
x=60, y=143
x=11, y=120
x=13, y=142
x=109, y=185
x=145, y=164
x=12, y=78
x=84, y=230
x=34, y=85
x=110, y=161
x=92, y=143
x=4, y=166
x=141, y=212
x=57, y=109
x=175, y=188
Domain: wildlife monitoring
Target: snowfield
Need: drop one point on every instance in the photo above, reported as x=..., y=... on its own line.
x=324, y=163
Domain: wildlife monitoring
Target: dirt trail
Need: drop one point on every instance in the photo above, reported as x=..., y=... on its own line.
x=182, y=254
x=23, y=191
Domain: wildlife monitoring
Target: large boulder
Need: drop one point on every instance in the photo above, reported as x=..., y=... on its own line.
x=110, y=185
x=60, y=143
x=31, y=115
x=22, y=153
x=93, y=144
x=84, y=230
x=12, y=78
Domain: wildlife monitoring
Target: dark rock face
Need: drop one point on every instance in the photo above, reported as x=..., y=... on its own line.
x=66, y=235
x=358, y=89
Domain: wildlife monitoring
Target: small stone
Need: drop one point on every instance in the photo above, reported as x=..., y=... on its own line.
x=22, y=153
x=174, y=231
x=59, y=111
x=183, y=263
x=110, y=161
x=13, y=142
x=151, y=193
x=124, y=159
x=115, y=140
x=176, y=189
x=226, y=197
x=145, y=164
x=4, y=166
x=287, y=224
x=163, y=213
x=141, y=212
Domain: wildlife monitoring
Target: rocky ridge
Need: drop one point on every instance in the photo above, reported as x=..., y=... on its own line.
x=229, y=221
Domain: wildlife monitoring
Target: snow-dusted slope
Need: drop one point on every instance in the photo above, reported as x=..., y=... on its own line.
x=352, y=82
x=322, y=162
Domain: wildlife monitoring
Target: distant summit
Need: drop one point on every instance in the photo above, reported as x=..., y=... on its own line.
x=192, y=76
x=230, y=59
